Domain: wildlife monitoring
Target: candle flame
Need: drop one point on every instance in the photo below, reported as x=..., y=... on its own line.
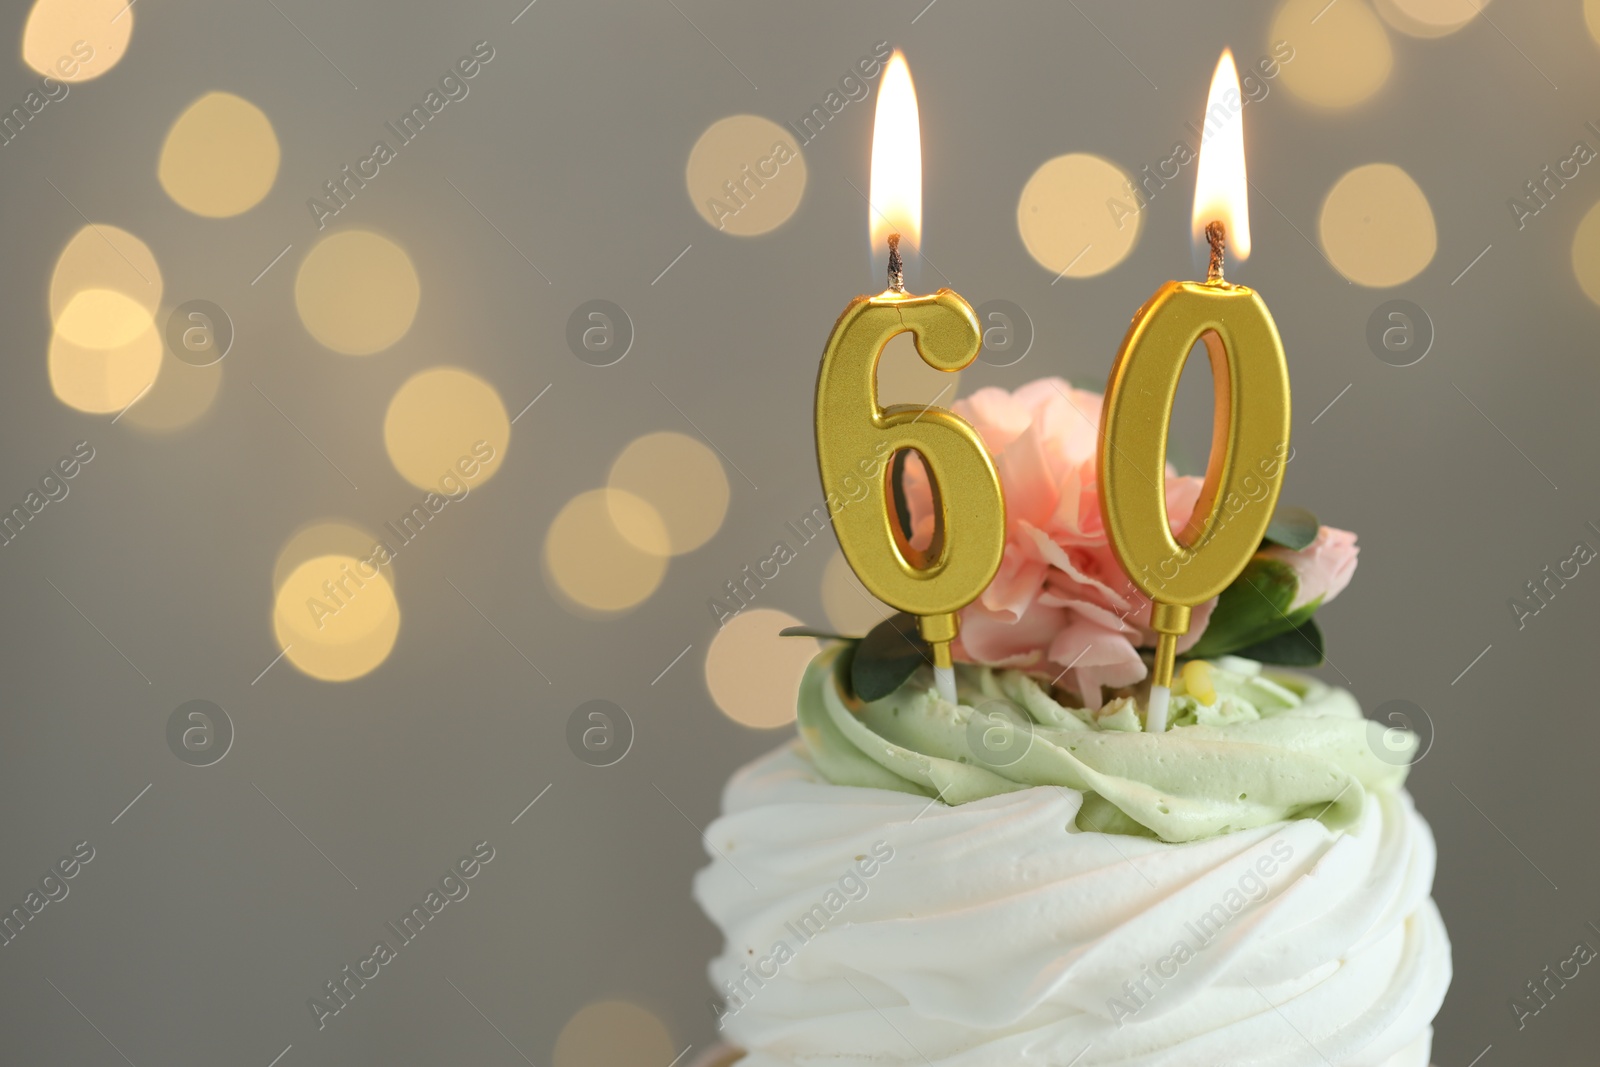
x=1221, y=191
x=895, y=194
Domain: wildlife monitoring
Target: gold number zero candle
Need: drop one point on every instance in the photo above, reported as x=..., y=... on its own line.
x=856, y=435
x=1250, y=420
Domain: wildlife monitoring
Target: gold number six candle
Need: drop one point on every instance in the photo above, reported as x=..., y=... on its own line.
x=855, y=433
x=1250, y=420
x=969, y=512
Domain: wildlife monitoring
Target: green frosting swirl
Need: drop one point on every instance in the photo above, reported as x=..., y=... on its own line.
x=1269, y=747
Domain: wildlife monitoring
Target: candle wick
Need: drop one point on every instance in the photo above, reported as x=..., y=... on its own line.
x=1217, y=237
x=897, y=269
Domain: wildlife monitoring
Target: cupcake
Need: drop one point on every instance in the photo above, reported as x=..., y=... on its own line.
x=1027, y=877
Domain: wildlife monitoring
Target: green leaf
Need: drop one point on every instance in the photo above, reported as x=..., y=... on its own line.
x=1251, y=610
x=807, y=631
x=887, y=656
x=1304, y=612
x=1299, y=647
x=843, y=665
x=1292, y=527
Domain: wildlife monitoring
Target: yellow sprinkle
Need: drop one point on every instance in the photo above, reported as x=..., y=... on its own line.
x=1197, y=679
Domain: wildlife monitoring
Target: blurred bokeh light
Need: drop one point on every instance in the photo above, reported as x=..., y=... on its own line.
x=1342, y=53
x=746, y=175
x=106, y=348
x=1066, y=221
x=220, y=157
x=683, y=482
x=357, y=292
x=76, y=40
x=752, y=672
x=336, y=617
x=105, y=352
x=1377, y=226
x=1429, y=18
x=446, y=430
x=613, y=1033
x=102, y=318
x=592, y=566
x=1586, y=253
x=326, y=537
x=102, y=256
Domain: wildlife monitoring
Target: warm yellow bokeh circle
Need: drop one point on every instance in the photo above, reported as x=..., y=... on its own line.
x=220, y=157
x=76, y=40
x=336, y=617
x=104, y=380
x=1377, y=227
x=446, y=430
x=327, y=537
x=746, y=175
x=1586, y=253
x=1077, y=216
x=357, y=292
x=102, y=318
x=683, y=482
x=102, y=256
x=1429, y=18
x=105, y=349
x=589, y=562
x=752, y=672
x=613, y=1033
x=1342, y=53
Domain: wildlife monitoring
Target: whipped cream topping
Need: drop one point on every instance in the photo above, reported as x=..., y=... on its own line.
x=869, y=926
x=1267, y=748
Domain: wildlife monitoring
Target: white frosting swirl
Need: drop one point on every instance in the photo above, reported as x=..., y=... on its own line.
x=997, y=934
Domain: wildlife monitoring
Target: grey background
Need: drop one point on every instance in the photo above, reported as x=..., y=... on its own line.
x=205, y=920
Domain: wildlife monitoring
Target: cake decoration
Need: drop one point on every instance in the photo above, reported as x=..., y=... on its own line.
x=1061, y=603
x=1123, y=832
x=935, y=579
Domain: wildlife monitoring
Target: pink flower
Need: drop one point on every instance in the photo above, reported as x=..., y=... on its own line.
x=1060, y=604
x=1324, y=566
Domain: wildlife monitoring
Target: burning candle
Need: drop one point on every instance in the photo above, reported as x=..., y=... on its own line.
x=1250, y=420
x=856, y=435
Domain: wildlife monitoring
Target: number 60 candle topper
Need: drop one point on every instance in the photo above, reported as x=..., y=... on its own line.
x=1250, y=421
x=855, y=433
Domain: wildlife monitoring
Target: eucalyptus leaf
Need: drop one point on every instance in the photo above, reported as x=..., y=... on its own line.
x=808, y=631
x=1299, y=647
x=1292, y=527
x=1251, y=610
x=887, y=656
x=843, y=665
